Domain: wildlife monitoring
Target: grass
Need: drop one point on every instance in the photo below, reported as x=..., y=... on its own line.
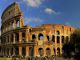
x=5, y=58
x=57, y=58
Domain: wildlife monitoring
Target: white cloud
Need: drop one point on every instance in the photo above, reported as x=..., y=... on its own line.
x=50, y=11
x=67, y=23
x=34, y=20
x=33, y=3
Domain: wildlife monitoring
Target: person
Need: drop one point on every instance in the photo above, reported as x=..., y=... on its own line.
x=48, y=53
x=41, y=54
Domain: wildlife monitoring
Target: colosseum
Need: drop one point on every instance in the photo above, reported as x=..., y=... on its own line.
x=19, y=40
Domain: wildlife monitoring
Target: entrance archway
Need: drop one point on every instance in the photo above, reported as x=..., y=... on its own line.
x=58, y=51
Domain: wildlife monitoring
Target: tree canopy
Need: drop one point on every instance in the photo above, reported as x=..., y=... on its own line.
x=72, y=48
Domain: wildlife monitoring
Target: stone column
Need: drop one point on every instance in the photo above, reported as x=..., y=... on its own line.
x=1, y=51
x=20, y=37
x=9, y=38
x=55, y=45
x=35, y=51
x=14, y=38
x=20, y=51
x=20, y=40
x=27, y=51
x=13, y=51
x=5, y=52
x=44, y=50
x=9, y=51
x=60, y=44
x=14, y=23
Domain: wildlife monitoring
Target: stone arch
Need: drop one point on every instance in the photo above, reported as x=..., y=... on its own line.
x=31, y=50
x=67, y=39
x=53, y=38
x=17, y=37
x=58, y=51
x=58, y=32
x=48, y=38
x=54, y=50
x=70, y=29
x=33, y=36
x=12, y=51
x=23, y=51
x=41, y=51
x=48, y=51
x=11, y=37
x=40, y=36
x=17, y=50
x=62, y=39
x=58, y=39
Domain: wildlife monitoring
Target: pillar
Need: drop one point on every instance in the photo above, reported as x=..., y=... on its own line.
x=9, y=51
x=55, y=45
x=9, y=38
x=13, y=51
x=27, y=51
x=14, y=38
x=20, y=37
x=35, y=50
x=20, y=51
x=60, y=44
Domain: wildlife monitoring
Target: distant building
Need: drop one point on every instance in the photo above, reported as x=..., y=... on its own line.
x=19, y=40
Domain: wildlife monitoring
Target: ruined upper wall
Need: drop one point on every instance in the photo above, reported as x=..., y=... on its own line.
x=11, y=11
x=54, y=27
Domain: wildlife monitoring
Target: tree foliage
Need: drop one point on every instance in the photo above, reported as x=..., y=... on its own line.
x=72, y=48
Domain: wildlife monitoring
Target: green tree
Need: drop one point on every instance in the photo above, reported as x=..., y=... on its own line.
x=72, y=48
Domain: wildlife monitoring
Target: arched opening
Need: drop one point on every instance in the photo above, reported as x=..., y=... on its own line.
x=17, y=37
x=58, y=39
x=67, y=39
x=7, y=51
x=23, y=36
x=53, y=38
x=8, y=39
x=23, y=51
x=54, y=51
x=17, y=23
x=58, y=51
x=11, y=37
x=63, y=29
x=41, y=52
x=11, y=51
x=16, y=51
x=40, y=36
x=62, y=39
x=33, y=36
x=48, y=51
x=47, y=37
x=70, y=29
x=31, y=51
x=29, y=30
x=57, y=33
x=0, y=51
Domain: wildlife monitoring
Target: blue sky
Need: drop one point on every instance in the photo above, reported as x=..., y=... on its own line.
x=37, y=12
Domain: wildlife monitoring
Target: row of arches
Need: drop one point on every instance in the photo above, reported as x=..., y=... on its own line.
x=14, y=36
x=48, y=51
x=41, y=36
x=15, y=51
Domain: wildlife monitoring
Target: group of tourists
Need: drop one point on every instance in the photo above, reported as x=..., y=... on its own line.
x=42, y=57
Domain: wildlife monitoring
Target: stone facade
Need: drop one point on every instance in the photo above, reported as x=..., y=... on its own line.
x=19, y=40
